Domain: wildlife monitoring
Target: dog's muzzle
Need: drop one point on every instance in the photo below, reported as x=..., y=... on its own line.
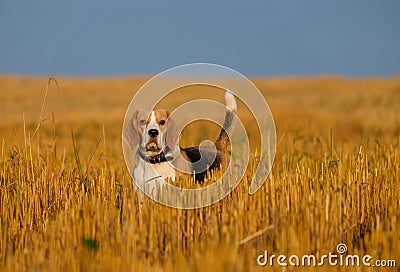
x=153, y=144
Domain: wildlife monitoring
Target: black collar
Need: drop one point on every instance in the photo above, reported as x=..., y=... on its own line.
x=157, y=158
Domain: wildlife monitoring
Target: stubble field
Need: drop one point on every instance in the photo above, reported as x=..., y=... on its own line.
x=67, y=202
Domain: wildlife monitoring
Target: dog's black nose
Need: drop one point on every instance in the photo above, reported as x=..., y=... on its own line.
x=153, y=133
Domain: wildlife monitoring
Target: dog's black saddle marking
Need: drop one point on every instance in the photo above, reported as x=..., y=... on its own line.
x=210, y=161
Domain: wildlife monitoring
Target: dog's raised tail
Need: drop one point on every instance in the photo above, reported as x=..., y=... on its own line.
x=230, y=120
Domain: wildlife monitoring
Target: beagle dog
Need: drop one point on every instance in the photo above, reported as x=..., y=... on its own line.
x=159, y=156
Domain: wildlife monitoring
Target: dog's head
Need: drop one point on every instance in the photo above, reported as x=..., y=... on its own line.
x=153, y=130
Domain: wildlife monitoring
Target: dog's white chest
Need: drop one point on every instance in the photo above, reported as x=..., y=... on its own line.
x=164, y=169
x=147, y=176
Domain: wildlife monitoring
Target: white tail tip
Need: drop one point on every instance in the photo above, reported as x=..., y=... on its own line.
x=230, y=101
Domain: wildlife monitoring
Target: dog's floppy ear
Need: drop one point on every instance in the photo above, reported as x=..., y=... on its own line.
x=172, y=132
x=130, y=133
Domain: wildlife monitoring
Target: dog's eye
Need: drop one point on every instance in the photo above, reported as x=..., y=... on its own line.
x=162, y=122
x=142, y=122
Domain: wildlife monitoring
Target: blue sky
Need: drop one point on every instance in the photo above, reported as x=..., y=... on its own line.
x=256, y=38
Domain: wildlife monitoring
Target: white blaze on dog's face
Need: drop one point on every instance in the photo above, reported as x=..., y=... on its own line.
x=153, y=133
x=152, y=130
